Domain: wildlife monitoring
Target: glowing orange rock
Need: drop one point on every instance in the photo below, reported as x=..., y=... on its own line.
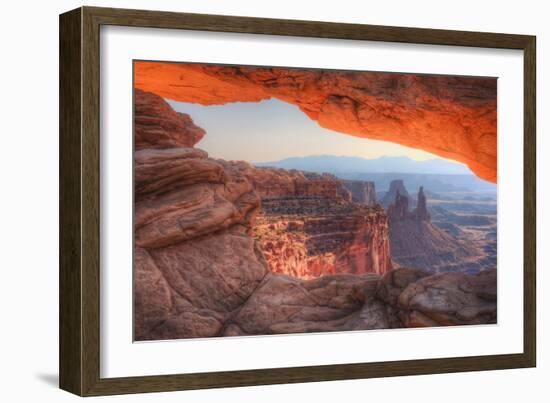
x=453, y=117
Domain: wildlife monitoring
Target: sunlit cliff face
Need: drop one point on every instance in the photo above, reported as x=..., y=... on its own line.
x=453, y=117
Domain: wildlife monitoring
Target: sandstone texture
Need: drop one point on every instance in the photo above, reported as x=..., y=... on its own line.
x=275, y=183
x=396, y=185
x=201, y=271
x=453, y=117
x=309, y=226
x=283, y=304
x=157, y=125
x=445, y=299
x=328, y=239
x=361, y=191
x=416, y=242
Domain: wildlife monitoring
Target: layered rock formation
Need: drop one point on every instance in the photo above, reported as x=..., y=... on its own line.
x=396, y=185
x=309, y=226
x=421, y=299
x=194, y=263
x=408, y=109
x=273, y=183
x=283, y=304
x=157, y=125
x=421, y=210
x=361, y=191
x=401, y=298
x=198, y=272
x=416, y=242
x=312, y=238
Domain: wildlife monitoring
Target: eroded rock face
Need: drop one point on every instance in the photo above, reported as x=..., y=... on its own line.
x=157, y=125
x=396, y=186
x=192, y=288
x=401, y=298
x=361, y=191
x=408, y=109
x=196, y=266
x=309, y=226
x=421, y=210
x=392, y=284
x=180, y=195
x=275, y=183
x=326, y=241
x=416, y=242
x=194, y=261
x=444, y=299
x=284, y=304
x=199, y=272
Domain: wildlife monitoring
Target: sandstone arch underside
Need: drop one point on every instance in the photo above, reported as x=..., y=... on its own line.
x=453, y=117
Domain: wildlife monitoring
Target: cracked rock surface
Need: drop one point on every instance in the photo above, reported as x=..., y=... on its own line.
x=198, y=272
x=408, y=109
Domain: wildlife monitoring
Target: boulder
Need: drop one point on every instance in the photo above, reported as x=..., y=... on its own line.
x=157, y=125
x=450, y=299
x=284, y=304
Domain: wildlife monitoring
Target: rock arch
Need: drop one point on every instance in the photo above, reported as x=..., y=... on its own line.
x=453, y=117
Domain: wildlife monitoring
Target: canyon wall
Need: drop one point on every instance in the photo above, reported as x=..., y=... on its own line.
x=361, y=191
x=453, y=117
x=277, y=183
x=396, y=185
x=323, y=240
x=309, y=226
x=157, y=125
x=193, y=260
x=199, y=272
x=417, y=242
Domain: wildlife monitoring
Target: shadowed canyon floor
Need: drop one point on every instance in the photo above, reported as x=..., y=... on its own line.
x=207, y=261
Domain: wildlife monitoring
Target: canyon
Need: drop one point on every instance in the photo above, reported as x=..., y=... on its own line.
x=222, y=248
x=417, y=242
x=312, y=225
x=310, y=237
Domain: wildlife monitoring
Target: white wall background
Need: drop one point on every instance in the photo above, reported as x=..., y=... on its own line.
x=29, y=198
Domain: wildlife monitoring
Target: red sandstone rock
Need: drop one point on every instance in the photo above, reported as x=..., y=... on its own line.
x=416, y=242
x=450, y=299
x=361, y=191
x=157, y=125
x=424, y=300
x=193, y=287
x=399, y=210
x=161, y=171
x=392, y=284
x=421, y=210
x=199, y=273
x=453, y=117
x=309, y=227
x=272, y=183
x=180, y=197
x=396, y=185
x=283, y=304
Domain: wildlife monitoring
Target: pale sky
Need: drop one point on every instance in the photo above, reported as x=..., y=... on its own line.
x=273, y=130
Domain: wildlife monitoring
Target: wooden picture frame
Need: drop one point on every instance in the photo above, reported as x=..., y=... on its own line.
x=79, y=346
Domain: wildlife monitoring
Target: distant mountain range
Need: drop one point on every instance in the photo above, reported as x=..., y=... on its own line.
x=341, y=164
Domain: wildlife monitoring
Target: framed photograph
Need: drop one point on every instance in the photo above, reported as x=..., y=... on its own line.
x=250, y=201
